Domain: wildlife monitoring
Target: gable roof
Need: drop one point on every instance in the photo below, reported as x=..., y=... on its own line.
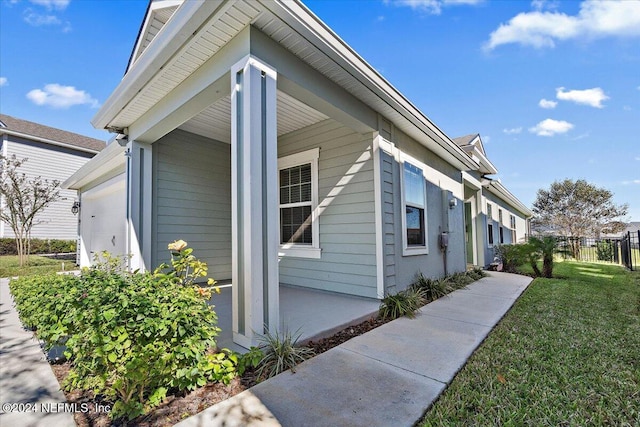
x=31, y=130
x=472, y=145
x=196, y=31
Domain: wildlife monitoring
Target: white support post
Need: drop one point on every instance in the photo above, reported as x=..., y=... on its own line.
x=139, y=187
x=254, y=206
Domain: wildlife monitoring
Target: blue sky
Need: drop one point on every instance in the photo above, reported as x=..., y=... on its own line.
x=553, y=87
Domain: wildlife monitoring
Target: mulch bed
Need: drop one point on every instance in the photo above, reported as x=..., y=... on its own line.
x=175, y=408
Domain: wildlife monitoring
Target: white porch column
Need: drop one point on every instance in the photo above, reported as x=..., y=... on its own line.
x=254, y=205
x=139, y=174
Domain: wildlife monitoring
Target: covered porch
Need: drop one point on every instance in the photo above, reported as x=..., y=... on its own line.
x=311, y=313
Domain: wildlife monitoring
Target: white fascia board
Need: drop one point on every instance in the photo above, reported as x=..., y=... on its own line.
x=184, y=23
x=108, y=159
x=48, y=141
x=501, y=191
x=303, y=21
x=484, y=161
x=153, y=7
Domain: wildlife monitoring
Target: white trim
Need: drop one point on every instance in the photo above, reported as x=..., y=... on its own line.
x=406, y=249
x=471, y=181
x=300, y=250
x=379, y=213
x=50, y=141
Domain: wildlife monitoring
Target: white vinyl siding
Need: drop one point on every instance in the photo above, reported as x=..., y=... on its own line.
x=53, y=163
x=192, y=184
x=346, y=211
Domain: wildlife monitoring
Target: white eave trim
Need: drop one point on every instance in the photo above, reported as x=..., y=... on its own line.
x=501, y=191
x=48, y=141
x=106, y=160
x=184, y=23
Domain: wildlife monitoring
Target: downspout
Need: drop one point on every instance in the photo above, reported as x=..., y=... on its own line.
x=127, y=154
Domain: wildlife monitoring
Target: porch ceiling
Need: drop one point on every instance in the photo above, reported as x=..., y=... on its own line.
x=215, y=121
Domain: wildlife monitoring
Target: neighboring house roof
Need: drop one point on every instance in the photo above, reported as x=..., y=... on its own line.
x=472, y=145
x=165, y=59
x=35, y=131
x=632, y=227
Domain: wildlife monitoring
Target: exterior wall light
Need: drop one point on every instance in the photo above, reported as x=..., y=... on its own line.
x=75, y=208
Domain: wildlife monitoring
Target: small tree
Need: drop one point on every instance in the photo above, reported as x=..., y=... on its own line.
x=577, y=209
x=23, y=198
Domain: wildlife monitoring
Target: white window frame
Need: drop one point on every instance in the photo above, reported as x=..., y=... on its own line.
x=297, y=249
x=406, y=249
x=490, y=236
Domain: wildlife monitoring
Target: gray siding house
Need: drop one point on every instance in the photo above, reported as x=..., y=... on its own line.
x=493, y=216
x=52, y=154
x=252, y=131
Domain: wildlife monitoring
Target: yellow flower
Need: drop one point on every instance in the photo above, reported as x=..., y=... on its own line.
x=177, y=246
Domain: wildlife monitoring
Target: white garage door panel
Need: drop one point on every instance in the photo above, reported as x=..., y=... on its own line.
x=103, y=226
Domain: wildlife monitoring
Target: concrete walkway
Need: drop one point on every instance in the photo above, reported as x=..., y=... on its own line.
x=25, y=375
x=388, y=376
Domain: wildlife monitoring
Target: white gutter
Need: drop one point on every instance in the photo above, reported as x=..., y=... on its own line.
x=106, y=160
x=47, y=141
x=184, y=23
x=501, y=191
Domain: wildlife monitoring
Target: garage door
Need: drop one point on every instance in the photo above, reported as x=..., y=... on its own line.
x=103, y=221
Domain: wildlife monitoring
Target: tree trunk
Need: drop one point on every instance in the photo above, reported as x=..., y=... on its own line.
x=547, y=266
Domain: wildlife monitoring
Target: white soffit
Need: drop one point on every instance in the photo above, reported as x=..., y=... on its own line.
x=215, y=121
x=160, y=11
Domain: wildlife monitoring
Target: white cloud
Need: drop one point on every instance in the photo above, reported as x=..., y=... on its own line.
x=638, y=158
x=52, y=4
x=58, y=96
x=512, y=131
x=36, y=19
x=545, y=103
x=592, y=97
x=544, y=4
x=433, y=7
x=635, y=181
x=486, y=139
x=550, y=127
x=3, y=81
x=596, y=18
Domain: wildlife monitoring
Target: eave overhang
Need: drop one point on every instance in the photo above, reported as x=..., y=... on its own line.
x=501, y=191
x=176, y=37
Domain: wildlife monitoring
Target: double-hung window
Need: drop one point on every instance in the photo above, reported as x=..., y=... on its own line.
x=513, y=228
x=489, y=225
x=414, y=219
x=298, y=187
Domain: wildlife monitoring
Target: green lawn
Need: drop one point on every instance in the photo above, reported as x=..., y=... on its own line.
x=10, y=266
x=567, y=354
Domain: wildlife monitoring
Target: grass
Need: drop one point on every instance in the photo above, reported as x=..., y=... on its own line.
x=10, y=266
x=567, y=354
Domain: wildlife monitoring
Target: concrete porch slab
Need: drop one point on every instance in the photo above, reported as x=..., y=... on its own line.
x=312, y=313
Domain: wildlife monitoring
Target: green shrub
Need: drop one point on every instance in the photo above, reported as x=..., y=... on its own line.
x=511, y=256
x=432, y=289
x=404, y=303
x=38, y=246
x=130, y=337
x=280, y=352
x=604, y=250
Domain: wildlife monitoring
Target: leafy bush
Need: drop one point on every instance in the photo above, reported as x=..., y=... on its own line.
x=512, y=256
x=404, y=303
x=38, y=246
x=604, y=250
x=130, y=337
x=280, y=352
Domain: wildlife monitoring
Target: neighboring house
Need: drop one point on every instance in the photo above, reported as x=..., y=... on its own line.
x=252, y=131
x=492, y=214
x=52, y=154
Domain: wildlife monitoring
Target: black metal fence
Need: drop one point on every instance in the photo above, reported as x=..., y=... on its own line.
x=630, y=250
x=622, y=250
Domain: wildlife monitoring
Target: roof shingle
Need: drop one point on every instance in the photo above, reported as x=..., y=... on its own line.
x=45, y=132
